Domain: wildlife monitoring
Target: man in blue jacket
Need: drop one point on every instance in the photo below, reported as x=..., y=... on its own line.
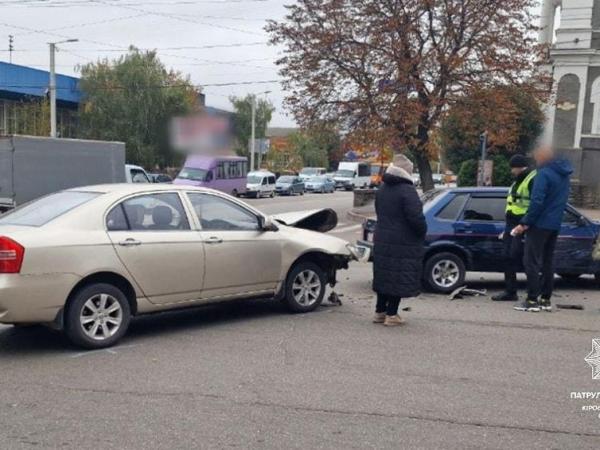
x=541, y=226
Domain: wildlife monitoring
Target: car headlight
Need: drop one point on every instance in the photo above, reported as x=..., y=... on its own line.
x=360, y=254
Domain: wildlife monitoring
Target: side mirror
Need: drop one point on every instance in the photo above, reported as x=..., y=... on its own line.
x=582, y=221
x=267, y=224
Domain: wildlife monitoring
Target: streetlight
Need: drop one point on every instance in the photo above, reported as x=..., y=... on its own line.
x=52, y=87
x=253, y=136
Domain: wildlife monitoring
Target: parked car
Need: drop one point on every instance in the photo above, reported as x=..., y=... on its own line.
x=289, y=185
x=160, y=178
x=309, y=172
x=88, y=259
x=260, y=184
x=223, y=173
x=320, y=184
x=464, y=228
x=136, y=174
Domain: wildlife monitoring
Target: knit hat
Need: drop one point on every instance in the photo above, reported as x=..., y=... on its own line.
x=519, y=161
x=400, y=167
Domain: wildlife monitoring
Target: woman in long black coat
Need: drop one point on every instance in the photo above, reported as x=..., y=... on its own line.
x=398, y=242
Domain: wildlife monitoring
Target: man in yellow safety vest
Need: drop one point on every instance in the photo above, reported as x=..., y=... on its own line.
x=517, y=205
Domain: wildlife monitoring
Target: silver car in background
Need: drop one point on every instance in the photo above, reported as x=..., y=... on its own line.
x=86, y=260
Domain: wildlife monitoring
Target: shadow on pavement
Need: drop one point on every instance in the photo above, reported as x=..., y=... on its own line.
x=38, y=339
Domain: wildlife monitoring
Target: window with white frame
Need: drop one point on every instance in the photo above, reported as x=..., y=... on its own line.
x=595, y=101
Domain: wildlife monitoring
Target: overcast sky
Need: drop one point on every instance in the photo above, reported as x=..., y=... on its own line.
x=105, y=28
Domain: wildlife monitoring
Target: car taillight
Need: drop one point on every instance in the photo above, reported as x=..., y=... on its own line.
x=11, y=256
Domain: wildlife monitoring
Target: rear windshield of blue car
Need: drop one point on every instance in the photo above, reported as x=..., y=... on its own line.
x=40, y=212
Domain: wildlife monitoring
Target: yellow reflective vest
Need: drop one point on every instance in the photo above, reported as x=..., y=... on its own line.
x=518, y=204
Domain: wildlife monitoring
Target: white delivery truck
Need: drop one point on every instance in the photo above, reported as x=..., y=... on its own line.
x=351, y=175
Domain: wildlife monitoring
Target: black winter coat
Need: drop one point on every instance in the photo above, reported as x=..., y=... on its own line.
x=399, y=239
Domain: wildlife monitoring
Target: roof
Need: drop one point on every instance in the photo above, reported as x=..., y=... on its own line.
x=17, y=81
x=280, y=132
x=134, y=188
x=480, y=190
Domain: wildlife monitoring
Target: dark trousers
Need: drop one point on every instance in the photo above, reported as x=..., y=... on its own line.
x=514, y=247
x=539, y=262
x=387, y=304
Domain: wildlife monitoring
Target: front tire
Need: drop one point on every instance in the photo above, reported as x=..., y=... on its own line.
x=305, y=287
x=444, y=272
x=97, y=316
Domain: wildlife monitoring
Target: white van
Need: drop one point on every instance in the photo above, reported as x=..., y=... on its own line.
x=260, y=184
x=351, y=175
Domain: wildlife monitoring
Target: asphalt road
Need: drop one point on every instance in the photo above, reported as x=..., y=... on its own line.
x=467, y=374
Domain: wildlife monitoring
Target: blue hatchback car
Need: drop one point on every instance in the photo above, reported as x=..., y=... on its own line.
x=464, y=228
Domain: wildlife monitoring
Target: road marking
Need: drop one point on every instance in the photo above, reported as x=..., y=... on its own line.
x=345, y=229
x=111, y=351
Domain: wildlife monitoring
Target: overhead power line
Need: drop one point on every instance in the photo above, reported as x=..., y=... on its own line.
x=122, y=49
x=147, y=87
x=176, y=17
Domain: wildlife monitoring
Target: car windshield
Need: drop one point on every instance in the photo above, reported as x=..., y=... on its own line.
x=344, y=173
x=255, y=179
x=317, y=180
x=286, y=180
x=189, y=173
x=45, y=209
x=309, y=171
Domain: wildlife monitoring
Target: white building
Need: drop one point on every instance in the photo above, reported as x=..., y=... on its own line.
x=574, y=116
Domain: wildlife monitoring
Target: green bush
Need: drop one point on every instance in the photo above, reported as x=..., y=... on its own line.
x=467, y=175
x=502, y=175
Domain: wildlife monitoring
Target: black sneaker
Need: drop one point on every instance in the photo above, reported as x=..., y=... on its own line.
x=545, y=305
x=528, y=305
x=505, y=297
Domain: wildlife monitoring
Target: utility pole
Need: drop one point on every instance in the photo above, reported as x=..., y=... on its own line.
x=253, y=137
x=52, y=85
x=52, y=91
x=253, y=133
x=11, y=40
x=483, y=138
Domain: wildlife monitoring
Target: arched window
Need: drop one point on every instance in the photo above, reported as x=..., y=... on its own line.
x=595, y=100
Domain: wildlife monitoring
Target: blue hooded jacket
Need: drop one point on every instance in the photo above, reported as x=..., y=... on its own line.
x=550, y=195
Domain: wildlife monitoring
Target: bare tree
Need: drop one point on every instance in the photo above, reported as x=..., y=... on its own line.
x=394, y=66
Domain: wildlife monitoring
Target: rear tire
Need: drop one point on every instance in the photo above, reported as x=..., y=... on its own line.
x=444, y=272
x=97, y=316
x=235, y=193
x=305, y=287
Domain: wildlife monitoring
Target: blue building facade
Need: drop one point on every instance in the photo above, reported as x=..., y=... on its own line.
x=23, y=101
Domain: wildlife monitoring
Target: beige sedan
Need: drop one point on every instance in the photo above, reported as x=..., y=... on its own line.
x=88, y=259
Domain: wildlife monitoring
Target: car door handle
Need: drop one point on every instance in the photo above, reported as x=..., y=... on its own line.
x=464, y=228
x=214, y=240
x=130, y=243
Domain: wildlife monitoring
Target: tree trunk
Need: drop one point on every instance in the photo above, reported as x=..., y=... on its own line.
x=425, y=171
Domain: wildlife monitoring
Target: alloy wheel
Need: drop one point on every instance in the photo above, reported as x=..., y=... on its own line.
x=445, y=273
x=306, y=288
x=101, y=316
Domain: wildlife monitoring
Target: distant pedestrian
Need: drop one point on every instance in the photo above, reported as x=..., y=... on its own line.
x=517, y=204
x=398, y=242
x=541, y=226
